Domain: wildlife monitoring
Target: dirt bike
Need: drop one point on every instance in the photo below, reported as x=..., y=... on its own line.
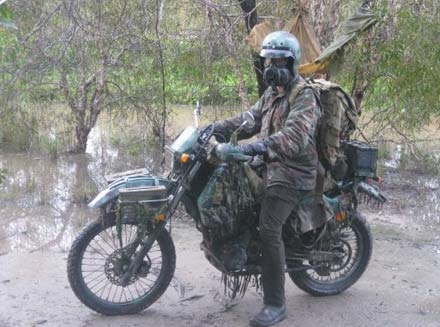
x=124, y=261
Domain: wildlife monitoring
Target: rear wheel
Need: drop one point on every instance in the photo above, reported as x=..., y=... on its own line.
x=97, y=262
x=355, y=243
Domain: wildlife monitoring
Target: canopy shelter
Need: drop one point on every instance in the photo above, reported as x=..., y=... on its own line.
x=312, y=61
x=299, y=27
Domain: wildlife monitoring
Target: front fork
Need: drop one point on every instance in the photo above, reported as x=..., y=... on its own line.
x=145, y=245
x=147, y=241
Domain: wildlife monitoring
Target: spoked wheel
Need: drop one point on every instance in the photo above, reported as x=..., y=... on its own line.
x=97, y=263
x=354, y=248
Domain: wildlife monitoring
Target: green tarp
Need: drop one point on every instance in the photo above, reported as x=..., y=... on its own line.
x=359, y=22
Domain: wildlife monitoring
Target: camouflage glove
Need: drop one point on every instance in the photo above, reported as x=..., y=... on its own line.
x=219, y=134
x=254, y=148
x=227, y=152
x=241, y=152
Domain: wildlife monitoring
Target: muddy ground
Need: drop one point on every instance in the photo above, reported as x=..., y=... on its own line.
x=401, y=286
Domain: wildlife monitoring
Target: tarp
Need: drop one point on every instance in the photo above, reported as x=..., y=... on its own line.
x=257, y=34
x=314, y=67
x=303, y=31
x=311, y=60
x=359, y=22
x=299, y=27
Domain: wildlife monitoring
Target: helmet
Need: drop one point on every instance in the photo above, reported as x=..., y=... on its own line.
x=282, y=44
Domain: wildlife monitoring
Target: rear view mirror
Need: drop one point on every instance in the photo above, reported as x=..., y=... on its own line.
x=197, y=114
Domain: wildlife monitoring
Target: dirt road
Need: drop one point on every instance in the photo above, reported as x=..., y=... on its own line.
x=400, y=288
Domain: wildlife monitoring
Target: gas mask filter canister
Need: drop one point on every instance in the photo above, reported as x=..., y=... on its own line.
x=276, y=76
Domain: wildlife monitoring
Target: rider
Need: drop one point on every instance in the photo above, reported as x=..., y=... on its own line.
x=287, y=144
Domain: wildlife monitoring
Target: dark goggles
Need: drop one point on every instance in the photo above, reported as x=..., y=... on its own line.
x=278, y=62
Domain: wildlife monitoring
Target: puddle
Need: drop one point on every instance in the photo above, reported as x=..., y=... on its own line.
x=414, y=198
x=43, y=201
x=396, y=156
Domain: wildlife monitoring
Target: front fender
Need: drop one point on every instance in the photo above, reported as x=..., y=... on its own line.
x=104, y=197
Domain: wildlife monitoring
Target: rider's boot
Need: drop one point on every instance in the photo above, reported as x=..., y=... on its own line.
x=269, y=315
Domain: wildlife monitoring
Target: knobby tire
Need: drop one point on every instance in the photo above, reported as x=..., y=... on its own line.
x=87, y=297
x=305, y=282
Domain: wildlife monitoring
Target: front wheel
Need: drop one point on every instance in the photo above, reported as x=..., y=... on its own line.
x=356, y=245
x=97, y=262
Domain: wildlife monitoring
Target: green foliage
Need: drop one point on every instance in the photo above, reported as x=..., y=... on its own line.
x=399, y=61
x=49, y=145
x=6, y=17
x=190, y=77
x=3, y=174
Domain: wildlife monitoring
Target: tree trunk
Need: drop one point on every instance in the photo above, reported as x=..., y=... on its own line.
x=360, y=85
x=82, y=135
x=324, y=15
x=251, y=19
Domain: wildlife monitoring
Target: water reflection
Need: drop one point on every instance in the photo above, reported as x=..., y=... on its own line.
x=415, y=196
x=43, y=201
x=395, y=158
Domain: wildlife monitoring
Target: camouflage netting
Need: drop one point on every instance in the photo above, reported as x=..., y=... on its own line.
x=226, y=199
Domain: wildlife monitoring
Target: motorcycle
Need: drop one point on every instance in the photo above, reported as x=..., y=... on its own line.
x=124, y=261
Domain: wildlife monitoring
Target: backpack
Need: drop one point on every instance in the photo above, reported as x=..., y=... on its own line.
x=338, y=121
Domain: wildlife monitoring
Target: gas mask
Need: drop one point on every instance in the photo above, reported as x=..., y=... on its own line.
x=276, y=72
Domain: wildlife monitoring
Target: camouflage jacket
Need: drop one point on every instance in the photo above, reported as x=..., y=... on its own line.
x=289, y=134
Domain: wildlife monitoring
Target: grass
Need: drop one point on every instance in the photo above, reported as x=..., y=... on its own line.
x=41, y=127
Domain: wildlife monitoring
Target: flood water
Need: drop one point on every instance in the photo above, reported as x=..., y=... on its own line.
x=43, y=201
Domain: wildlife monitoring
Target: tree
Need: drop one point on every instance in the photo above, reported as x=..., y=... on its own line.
x=250, y=20
x=393, y=68
x=324, y=16
x=82, y=47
